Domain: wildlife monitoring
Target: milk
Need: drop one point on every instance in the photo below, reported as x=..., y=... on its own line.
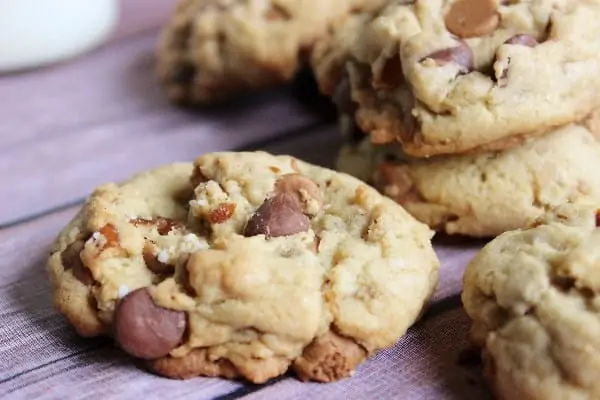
x=34, y=33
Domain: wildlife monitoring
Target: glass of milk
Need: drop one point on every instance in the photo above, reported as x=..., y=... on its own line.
x=35, y=33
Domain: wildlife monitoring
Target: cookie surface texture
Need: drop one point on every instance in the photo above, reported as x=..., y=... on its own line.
x=244, y=265
x=210, y=50
x=448, y=77
x=483, y=195
x=532, y=296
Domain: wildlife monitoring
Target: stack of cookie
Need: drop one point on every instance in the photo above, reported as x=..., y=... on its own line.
x=475, y=115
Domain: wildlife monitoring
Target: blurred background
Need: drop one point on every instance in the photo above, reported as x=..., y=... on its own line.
x=81, y=105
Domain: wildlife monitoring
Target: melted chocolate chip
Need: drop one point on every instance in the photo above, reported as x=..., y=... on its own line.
x=146, y=330
x=523, y=40
x=277, y=216
x=460, y=55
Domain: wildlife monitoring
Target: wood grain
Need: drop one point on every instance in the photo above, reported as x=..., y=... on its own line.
x=112, y=85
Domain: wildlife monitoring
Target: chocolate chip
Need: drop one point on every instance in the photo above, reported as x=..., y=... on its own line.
x=563, y=283
x=71, y=259
x=151, y=260
x=597, y=218
x=472, y=18
x=146, y=330
x=301, y=188
x=460, y=55
x=277, y=216
x=523, y=40
x=182, y=276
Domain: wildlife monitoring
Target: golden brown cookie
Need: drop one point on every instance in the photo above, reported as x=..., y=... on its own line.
x=533, y=296
x=244, y=265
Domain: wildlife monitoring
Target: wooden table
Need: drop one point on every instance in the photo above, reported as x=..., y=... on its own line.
x=102, y=117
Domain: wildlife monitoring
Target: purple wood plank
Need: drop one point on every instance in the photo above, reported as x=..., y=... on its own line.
x=113, y=84
x=318, y=145
x=51, y=172
x=110, y=84
x=140, y=15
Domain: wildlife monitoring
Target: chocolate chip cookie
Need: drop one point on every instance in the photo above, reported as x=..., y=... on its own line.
x=484, y=194
x=453, y=76
x=532, y=296
x=211, y=49
x=244, y=265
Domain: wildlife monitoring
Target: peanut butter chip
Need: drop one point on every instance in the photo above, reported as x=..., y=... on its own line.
x=146, y=330
x=472, y=18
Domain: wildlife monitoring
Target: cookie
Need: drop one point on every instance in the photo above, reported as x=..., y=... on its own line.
x=447, y=77
x=210, y=50
x=483, y=195
x=244, y=265
x=532, y=296
x=330, y=53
